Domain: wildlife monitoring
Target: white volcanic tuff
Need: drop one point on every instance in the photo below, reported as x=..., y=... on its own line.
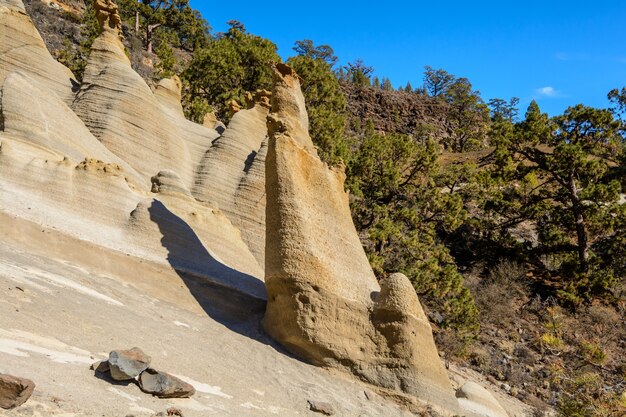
x=197, y=138
x=121, y=111
x=21, y=48
x=43, y=143
x=250, y=202
x=226, y=163
x=39, y=117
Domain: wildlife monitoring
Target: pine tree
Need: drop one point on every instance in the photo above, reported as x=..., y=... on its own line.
x=398, y=205
x=325, y=101
x=229, y=66
x=387, y=84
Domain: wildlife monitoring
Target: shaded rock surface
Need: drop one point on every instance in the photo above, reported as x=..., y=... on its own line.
x=128, y=364
x=229, y=160
x=14, y=391
x=164, y=385
x=101, y=366
x=324, y=302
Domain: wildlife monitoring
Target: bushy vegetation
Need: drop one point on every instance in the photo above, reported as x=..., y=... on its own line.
x=232, y=64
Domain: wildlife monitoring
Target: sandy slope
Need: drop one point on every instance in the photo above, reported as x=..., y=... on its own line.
x=60, y=311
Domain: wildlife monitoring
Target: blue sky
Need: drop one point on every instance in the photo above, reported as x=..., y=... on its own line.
x=558, y=52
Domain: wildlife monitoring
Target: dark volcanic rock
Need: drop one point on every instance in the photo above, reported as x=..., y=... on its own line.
x=14, y=391
x=397, y=111
x=101, y=366
x=164, y=385
x=128, y=364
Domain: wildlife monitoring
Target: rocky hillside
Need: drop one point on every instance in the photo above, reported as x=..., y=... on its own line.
x=396, y=111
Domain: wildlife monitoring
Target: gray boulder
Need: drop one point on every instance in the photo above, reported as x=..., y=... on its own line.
x=164, y=385
x=128, y=364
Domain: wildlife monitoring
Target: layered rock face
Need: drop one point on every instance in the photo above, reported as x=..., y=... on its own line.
x=22, y=49
x=324, y=302
x=119, y=108
x=232, y=172
x=56, y=173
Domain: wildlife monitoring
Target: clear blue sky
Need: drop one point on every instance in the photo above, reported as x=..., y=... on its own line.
x=558, y=52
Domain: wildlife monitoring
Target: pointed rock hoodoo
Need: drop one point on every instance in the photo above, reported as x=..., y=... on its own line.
x=324, y=302
x=108, y=16
x=119, y=108
x=23, y=50
x=232, y=171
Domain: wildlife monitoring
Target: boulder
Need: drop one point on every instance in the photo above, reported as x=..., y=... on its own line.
x=476, y=400
x=14, y=391
x=128, y=364
x=324, y=302
x=164, y=385
x=101, y=367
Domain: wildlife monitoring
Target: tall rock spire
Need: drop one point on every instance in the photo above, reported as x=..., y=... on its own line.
x=324, y=302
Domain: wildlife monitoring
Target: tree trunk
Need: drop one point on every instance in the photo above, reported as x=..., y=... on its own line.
x=149, y=32
x=137, y=22
x=581, y=230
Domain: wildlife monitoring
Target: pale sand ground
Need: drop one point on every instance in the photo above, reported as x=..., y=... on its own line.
x=76, y=302
x=66, y=303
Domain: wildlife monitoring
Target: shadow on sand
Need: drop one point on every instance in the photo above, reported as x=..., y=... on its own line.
x=235, y=299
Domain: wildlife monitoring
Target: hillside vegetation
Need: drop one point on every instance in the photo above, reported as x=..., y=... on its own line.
x=509, y=223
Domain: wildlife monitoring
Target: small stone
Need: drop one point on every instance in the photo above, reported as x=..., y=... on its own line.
x=14, y=391
x=321, y=407
x=128, y=364
x=164, y=385
x=173, y=411
x=100, y=366
x=369, y=394
x=506, y=387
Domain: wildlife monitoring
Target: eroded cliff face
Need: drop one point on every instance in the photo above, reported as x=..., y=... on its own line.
x=324, y=302
x=22, y=49
x=178, y=218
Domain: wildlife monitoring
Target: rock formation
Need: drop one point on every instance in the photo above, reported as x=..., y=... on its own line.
x=474, y=398
x=113, y=205
x=93, y=193
x=36, y=115
x=22, y=49
x=108, y=16
x=232, y=172
x=108, y=103
x=324, y=302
